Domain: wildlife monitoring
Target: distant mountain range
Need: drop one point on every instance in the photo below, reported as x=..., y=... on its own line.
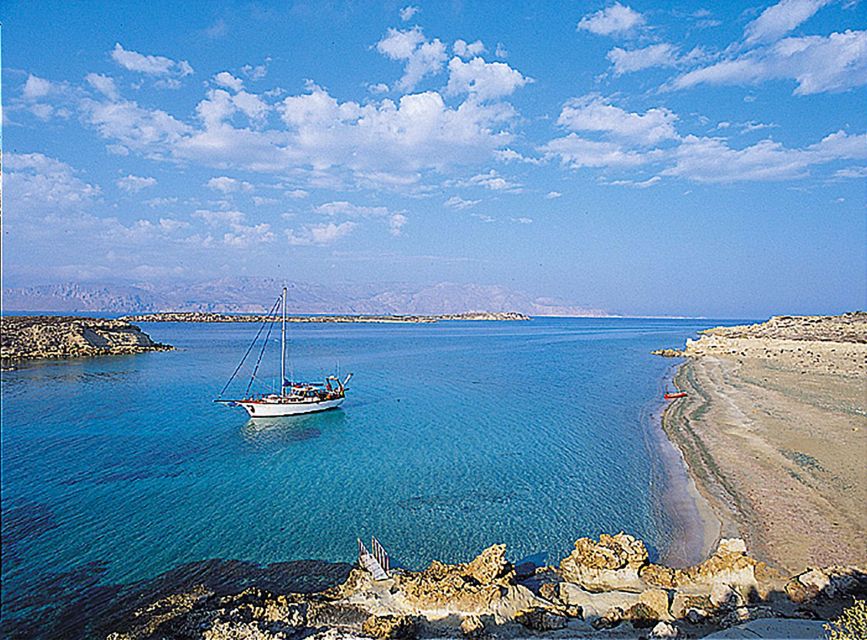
x=254, y=295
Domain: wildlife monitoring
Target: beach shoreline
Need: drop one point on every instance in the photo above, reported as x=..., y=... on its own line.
x=696, y=529
x=772, y=433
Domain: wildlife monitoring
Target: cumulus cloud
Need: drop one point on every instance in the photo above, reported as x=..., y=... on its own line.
x=485, y=80
x=421, y=56
x=456, y=202
x=592, y=112
x=781, y=18
x=225, y=184
x=40, y=184
x=36, y=87
x=407, y=13
x=656, y=55
x=150, y=65
x=226, y=79
x=134, y=184
x=396, y=223
x=319, y=234
x=551, y=195
x=104, y=84
x=576, y=152
x=468, y=50
x=616, y=19
x=818, y=64
x=492, y=181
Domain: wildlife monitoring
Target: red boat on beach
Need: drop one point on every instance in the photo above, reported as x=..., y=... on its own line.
x=675, y=395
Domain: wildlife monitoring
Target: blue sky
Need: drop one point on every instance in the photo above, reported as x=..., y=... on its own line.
x=649, y=158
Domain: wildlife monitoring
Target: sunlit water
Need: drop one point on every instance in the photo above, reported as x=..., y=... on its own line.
x=454, y=436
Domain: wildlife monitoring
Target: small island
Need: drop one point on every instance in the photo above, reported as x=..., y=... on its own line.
x=204, y=316
x=50, y=337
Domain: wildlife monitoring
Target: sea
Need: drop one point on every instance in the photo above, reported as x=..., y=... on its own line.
x=122, y=478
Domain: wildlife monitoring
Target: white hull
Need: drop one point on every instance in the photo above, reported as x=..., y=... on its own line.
x=276, y=409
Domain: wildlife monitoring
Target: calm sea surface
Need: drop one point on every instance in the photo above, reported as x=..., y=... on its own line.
x=454, y=436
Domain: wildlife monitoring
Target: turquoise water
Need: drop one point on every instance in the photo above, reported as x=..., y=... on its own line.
x=454, y=436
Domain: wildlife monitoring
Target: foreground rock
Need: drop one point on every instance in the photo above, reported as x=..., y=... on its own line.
x=605, y=587
x=200, y=316
x=35, y=337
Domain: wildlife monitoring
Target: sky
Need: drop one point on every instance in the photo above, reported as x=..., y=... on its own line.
x=696, y=158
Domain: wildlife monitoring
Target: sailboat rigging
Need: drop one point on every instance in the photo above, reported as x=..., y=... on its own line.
x=293, y=398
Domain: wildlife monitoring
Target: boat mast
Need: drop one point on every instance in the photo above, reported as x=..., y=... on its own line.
x=283, y=349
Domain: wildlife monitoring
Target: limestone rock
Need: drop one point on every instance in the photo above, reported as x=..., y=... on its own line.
x=469, y=588
x=683, y=603
x=641, y=616
x=539, y=619
x=489, y=565
x=657, y=601
x=390, y=627
x=612, y=563
x=473, y=627
x=664, y=630
x=830, y=582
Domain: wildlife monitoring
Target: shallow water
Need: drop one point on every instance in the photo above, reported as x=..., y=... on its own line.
x=454, y=436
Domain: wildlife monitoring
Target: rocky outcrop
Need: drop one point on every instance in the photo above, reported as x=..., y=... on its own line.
x=477, y=586
x=49, y=337
x=206, y=317
x=611, y=564
x=486, y=598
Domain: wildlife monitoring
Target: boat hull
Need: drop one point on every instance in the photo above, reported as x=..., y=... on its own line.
x=264, y=409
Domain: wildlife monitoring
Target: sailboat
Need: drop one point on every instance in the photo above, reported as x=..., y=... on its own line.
x=293, y=398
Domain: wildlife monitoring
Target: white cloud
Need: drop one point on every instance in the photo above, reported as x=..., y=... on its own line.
x=643, y=184
x=258, y=72
x=396, y=223
x=615, y=19
x=551, y=195
x=219, y=218
x=150, y=65
x=407, y=13
x=134, y=184
x=593, y=113
x=711, y=160
x=779, y=19
x=523, y=220
x=226, y=79
x=576, y=152
x=655, y=55
x=153, y=132
x=36, y=87
x=493, y=181
x=456, y=202
x=818, y=64
x=225, y=184
x=319, y=234
x=37, y=184
x=243, y=236
x=485, y=80
x=501, y=51
x=298, y=194
x=342, y=207
x=422, y=57
x=468, y=50
x=104, y=84
x=851, y=172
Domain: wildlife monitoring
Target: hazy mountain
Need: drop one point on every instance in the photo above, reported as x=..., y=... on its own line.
x=255, y=295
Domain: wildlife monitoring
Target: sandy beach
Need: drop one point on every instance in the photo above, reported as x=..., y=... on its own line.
x=774, y=433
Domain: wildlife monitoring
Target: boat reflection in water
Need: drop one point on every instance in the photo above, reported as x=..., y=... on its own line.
x=288, y=429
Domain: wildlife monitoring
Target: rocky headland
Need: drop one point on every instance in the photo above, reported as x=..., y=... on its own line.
x=604, y=588
x=52, y=337
x=199, y=316
x=774, y=432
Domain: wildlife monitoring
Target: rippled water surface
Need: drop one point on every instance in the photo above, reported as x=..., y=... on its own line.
x=454, y=436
